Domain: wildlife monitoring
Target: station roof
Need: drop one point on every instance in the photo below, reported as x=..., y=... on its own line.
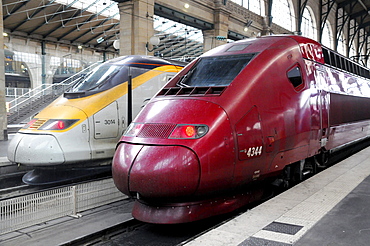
x=358, y=10
x=92, y=23
x=95, y=23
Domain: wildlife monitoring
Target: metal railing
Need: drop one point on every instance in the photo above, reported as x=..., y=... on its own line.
x=15, y=92
x=43, y=94
x=24, y=211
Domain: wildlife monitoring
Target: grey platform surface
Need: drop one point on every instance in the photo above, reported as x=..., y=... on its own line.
x=348, y=223
x=331, y=208
x=66, y=229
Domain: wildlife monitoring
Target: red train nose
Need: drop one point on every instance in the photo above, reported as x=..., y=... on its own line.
x=156, y=171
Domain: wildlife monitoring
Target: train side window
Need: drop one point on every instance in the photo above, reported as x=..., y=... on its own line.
x=332, y=59
x=363, y=72
x=357, y=70
x=326, y=56
x=348, y=63
x=350, y=69
x=295, y=76
x=337, y=61
x=343, y=63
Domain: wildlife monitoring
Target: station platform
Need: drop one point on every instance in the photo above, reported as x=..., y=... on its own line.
x=66, y=230
x=330, y=208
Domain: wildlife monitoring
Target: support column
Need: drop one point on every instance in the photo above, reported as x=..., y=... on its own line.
x=209, y=39
x=43, y=63
x=213, y=38
x=136, y=26
x=3, y=118
x=267, y=20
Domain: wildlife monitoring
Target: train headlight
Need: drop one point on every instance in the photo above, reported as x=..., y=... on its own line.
x=190, y=131
x=55, y=124
x=172, y=131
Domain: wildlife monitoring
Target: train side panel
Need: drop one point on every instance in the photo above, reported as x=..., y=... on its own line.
x=339, y=108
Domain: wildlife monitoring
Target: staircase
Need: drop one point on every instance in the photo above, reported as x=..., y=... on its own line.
x=23, y=108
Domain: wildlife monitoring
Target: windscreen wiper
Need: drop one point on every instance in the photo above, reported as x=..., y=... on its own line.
x=184, y=78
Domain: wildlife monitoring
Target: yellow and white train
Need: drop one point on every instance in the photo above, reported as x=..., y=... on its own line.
x=81, y=128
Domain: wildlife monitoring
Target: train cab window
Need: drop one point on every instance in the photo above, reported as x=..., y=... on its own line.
x=105, y=77
x=215, y=70
x=295, y=77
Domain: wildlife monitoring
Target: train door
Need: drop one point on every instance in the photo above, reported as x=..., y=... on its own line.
x=106, y=122
x=249, y=135
x=321, y=159
x=323, y=109
x=249, y=145
x=105, y=132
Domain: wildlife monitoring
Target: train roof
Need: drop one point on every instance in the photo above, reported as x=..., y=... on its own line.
x=144, y=60
x=310, y=48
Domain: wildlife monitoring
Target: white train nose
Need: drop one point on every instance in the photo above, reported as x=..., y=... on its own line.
x=29, y=149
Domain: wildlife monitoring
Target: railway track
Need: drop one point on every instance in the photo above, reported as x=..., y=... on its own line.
x=134, y=232
x=104, y=234
x=20, y=189
x=11, y=185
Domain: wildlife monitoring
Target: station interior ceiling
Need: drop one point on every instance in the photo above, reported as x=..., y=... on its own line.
x=92, y=24
x=95, y=24
x=358, y=10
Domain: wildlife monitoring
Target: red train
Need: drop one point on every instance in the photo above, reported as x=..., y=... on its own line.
x=273, y=108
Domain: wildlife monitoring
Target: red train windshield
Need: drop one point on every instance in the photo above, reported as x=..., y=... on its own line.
x=215, y=70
